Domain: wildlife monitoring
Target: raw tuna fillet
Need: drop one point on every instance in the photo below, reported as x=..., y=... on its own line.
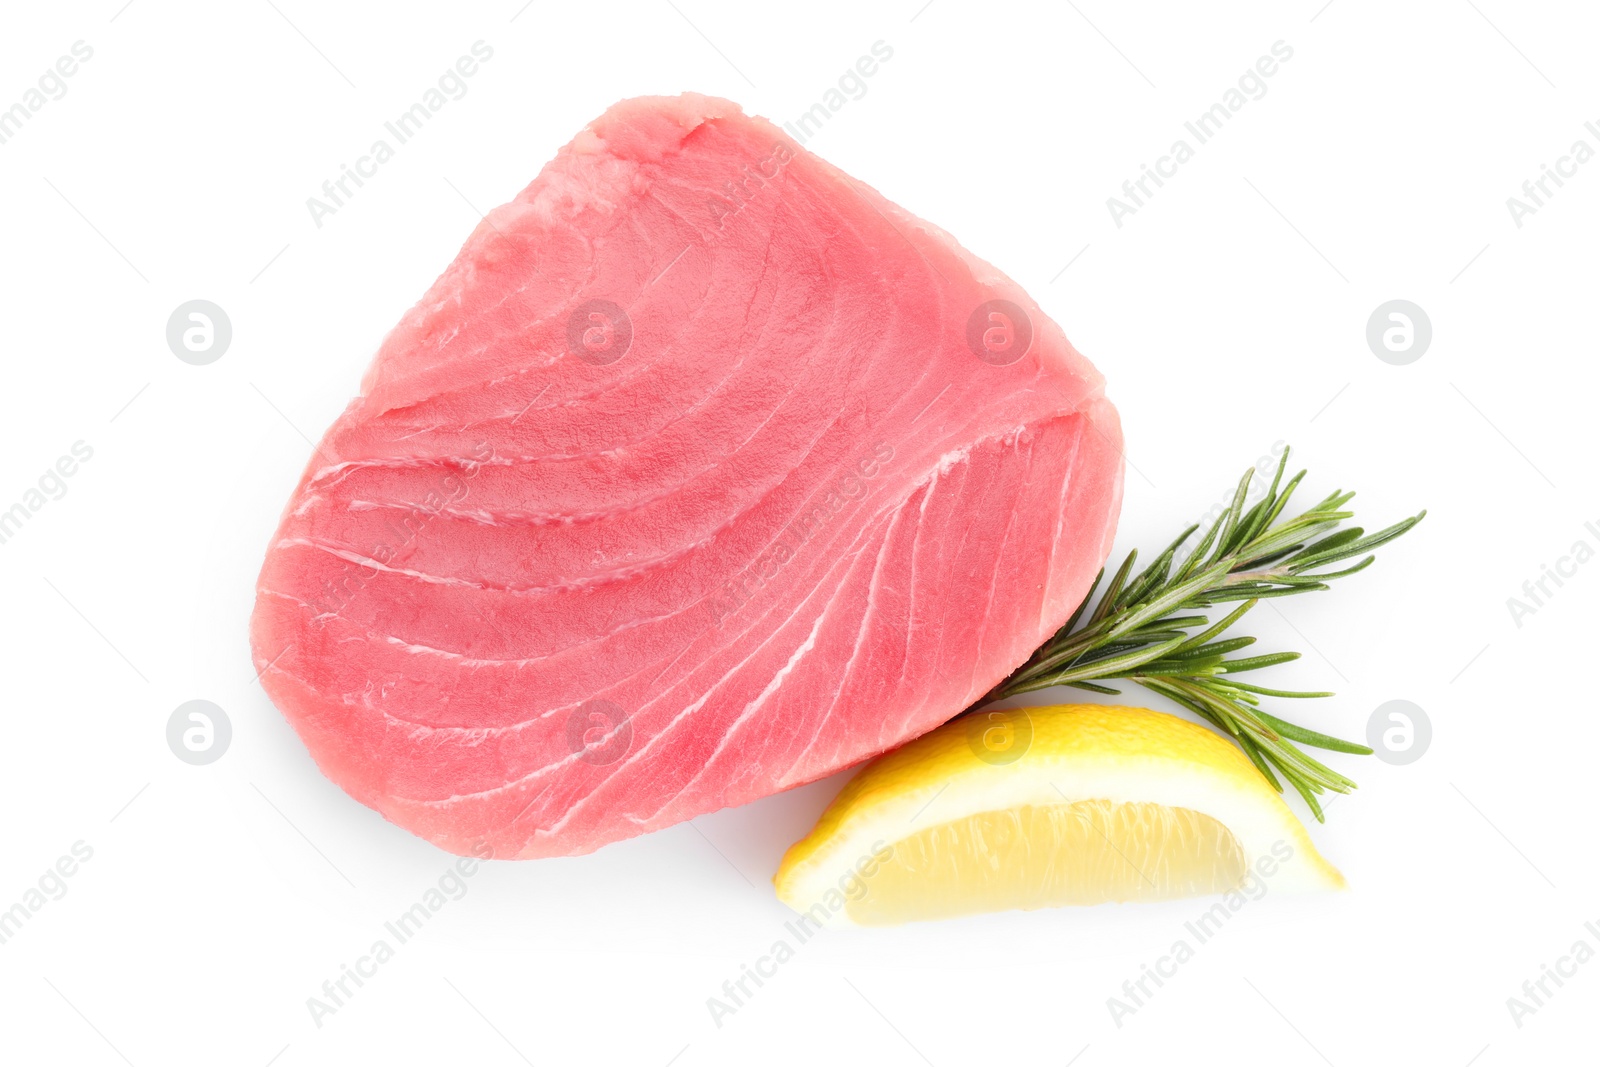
x=703, y=472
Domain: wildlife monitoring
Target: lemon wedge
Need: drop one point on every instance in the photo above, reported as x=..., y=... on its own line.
x=1041, y=807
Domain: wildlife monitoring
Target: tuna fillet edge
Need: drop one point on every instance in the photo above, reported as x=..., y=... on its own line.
x=703, y=472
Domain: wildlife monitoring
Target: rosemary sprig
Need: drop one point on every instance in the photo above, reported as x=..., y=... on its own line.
x=1140, y=629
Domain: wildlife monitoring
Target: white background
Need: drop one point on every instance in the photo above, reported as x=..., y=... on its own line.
x=1228, y=314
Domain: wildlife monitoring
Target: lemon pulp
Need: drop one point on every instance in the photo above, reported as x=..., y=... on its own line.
x=1087, y=852
x=1086, y=804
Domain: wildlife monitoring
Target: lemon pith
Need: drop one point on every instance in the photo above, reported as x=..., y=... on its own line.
x=1077, y=804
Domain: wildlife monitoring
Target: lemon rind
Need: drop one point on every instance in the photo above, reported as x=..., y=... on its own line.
x=1078, y=752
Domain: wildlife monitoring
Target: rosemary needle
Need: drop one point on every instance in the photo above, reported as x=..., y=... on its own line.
x=1140, y=630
